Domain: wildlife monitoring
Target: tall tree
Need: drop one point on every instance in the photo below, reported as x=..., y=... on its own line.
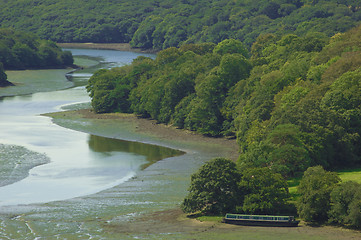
x=346, y=205
x=264, y=192
x=214, y=188
x=314, y=190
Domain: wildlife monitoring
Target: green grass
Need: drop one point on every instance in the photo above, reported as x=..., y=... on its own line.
x=85, y=61
x=210, y=218
x=292, y=186
x=350, y=175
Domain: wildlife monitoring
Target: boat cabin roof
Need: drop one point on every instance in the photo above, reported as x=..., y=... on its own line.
x=258, y=217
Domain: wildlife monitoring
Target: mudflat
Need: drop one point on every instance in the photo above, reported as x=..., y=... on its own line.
x=173, y=223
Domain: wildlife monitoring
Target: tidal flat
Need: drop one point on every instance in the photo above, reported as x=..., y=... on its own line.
x=163, y=184
x=16, y=161
x=159, y=187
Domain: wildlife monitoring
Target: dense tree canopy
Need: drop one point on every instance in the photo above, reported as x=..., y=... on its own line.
x=20, y=50
x=214, y=188
x=346, y=205
x=171, y=23
x=263, y=192
x=219, y=187
x=293, y=104
x=314, y=190
x=183, y=86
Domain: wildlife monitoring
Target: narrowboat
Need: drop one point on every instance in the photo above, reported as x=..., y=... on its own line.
x=260, y=220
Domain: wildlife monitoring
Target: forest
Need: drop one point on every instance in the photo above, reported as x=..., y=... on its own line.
x=23, y=50
x=171, y=23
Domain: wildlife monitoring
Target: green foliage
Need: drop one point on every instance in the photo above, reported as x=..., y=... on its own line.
x=183, y=86
x=3, y=77
x=143, y=36
x=170, y=23
x=110, y=90
x=233, y=68
x=219, y=187
x=283, y=151
x=342, y=101
x=214, y=188
x=314, y=191
x=264, y=192
x=296, y=82
x=289, y=155
x=19, y=50
x=231, y=46
x=345, y=205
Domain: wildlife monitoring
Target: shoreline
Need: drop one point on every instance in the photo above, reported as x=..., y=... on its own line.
x=106, y=46
x=173, y=221
x=149, y=127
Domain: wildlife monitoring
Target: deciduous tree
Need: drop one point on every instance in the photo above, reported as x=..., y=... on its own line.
x=314, y=190
x=214, y=188
x=264, y=192
x=346, y=205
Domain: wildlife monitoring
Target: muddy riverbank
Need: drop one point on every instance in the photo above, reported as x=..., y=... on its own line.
x=171, y=223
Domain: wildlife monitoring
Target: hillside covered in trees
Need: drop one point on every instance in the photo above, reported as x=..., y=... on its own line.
x=21, y=50
x=171, y=23
x=292, y=102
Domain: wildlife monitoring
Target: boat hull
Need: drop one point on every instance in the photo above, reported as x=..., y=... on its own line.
x=261, y=223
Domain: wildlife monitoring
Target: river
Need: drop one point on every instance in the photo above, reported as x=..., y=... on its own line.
x=74, y=168
x=67, y=180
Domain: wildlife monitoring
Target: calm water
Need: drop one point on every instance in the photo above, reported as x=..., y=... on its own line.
x=81, y=164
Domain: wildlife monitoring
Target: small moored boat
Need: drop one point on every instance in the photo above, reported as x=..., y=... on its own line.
x=260, y=220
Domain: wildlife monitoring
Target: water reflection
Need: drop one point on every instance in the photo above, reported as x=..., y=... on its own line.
x=80, y=164
x=152, y=153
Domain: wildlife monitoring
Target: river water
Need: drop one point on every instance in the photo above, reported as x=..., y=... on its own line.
x=75, y=168
x=80, y=179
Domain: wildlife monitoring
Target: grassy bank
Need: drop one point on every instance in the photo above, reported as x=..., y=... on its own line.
x=350, y=175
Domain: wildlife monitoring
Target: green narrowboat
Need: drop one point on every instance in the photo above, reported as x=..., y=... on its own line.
x=260, y=220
